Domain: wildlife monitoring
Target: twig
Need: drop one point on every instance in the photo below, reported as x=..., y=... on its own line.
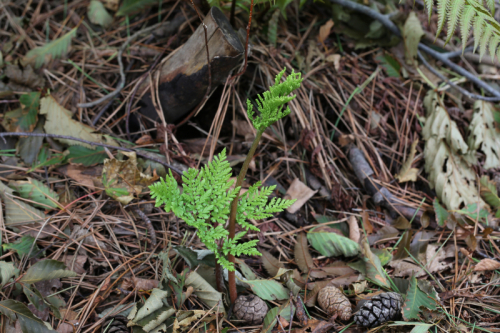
x=56, y=136
x=246, y=44
x=121, y=84
x=386, y=21
x=147, y=221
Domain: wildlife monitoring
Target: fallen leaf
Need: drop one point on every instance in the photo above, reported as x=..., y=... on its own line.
x=271, y=263
x=122, y=179
x=24, y=76
x=315, y=326
x=299, y=191
x=243, y=128
x=59, y=121
x=335, y=60
x=325, y=30
x=412, y=32
x=407, y=173
x=139, y=284
x=435, y=262
x=75, y=263
x=487, y=265
x=354, y=232
x=302, y=255
x=403, y=267
x=82, y=175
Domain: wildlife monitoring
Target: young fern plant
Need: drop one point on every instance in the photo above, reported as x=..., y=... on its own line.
x=207, y=200
x=204, y=204
x=469, y=14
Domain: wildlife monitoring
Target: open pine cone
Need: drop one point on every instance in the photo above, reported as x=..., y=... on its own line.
x=117, y=324
x=379, y=309
x=251, y=309
x=333, y=301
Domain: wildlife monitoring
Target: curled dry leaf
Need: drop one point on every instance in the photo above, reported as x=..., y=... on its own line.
x=75, y=263
x=354, y=233
x=325, y=30
x=302, y=255
x=487, y=265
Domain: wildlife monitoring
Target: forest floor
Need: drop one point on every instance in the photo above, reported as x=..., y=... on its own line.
x=76, y=248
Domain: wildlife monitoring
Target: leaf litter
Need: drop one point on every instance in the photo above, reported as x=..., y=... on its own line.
x=90, y=254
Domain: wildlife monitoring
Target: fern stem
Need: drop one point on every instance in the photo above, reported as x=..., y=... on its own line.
x=233, y=294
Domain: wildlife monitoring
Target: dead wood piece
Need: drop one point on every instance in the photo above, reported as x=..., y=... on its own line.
x=380, y=195
x=184, y=79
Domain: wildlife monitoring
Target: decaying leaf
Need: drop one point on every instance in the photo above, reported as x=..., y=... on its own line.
x=75, y=263
x=23, y=119
x=325, y=30
x=302, y=255
x=59, y=121
x=271, y=263
x=374, y=270
x=407, y=173
x=483, y=135
x=23, y=76
x=415, y=299
x=449, y=174
x=153, y=303
x=46, y=270
x=7, y=271
x=205, y=292
x=122, y=179
x=487, y=265
x=299, y=191
x=185, y=320
x=29, y=323
x=139, y=284
x=412, y=33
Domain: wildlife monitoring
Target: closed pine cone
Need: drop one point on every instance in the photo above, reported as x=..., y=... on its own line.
x=379, y=309
x=117, y=324
x=251, y=309
x=333, y=301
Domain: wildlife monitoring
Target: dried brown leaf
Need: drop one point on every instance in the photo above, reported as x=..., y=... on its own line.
x=299, y=191
x=312, y=296
x=303, y=257
x=487, y=265
x=75, y=264
x=354, y=233
x=271, y=263
x=325, y=30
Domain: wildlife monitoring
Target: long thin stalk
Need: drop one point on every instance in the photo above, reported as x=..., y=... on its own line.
x=233, y=294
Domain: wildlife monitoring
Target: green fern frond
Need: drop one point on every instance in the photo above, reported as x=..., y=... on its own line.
x=494, y=41
x=455, y=14
x=466, y=23
x=205, y=205
x=429, y=4
x=55, y=49
x=491, y=6
x=479, y=25
x=484, y=40
x=270, y=103
x=443, y=9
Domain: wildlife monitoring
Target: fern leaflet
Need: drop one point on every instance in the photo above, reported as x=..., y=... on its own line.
x=55, y=49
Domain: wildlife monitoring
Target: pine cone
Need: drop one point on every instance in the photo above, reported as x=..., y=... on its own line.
x=333, y=301
x=118, y=325
x=379, y=309
x=251, y=309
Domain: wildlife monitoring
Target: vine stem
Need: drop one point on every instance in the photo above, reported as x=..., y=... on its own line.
x=233, y=294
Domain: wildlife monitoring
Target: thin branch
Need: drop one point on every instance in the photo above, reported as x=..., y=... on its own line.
x=386, y=21
x=121, y=84
x=246, y=44
x=65, y=137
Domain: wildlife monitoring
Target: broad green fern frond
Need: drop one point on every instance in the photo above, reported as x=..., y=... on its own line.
x=443, y=9
x=466, y=23
x=475, y=14
x=55, y=49
x=454, y=17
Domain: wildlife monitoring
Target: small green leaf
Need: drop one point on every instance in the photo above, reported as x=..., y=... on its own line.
x=415, y=299
x=46, y=270
x=36, y=191
x=98, y=14
x=441, y=213
x=130, y=6
x=85, y=156
x=489, y=192
x=330, y=244
x=268, y=290
x=471, y=211
x=23, y=247
x=18, y=212
x=391, y=65
x=270, y=319
x=7, y=271
x=53, y=50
